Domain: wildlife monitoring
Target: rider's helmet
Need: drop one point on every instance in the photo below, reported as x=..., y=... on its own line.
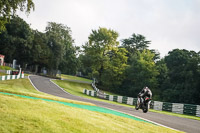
x=146, y=88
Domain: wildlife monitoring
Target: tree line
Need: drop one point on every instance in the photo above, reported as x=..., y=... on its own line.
x=127, y=68
x=124, y=67
x=54, y=49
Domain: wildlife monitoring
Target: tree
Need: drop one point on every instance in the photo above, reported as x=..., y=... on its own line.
x=113, y=74
x=135, y=43
x=9, y=7
x=106, y=59
x=142, y=72
x=162, y=78
x=60, y=44
x=53, y=49
x=184, y=75
x=40, y=51
x=16, y=41
x=70, y=62
x=85, y=65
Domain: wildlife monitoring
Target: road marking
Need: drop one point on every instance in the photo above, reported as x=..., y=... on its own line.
x=105, y=107
x=144, y=119
x=59, y=86
x=32, y=83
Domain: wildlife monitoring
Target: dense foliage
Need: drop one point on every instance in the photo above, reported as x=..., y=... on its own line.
x=9, y=7
x=174, y=78
x=184, y=76
x=106, y=59
x=34, y=50
x=124, y=69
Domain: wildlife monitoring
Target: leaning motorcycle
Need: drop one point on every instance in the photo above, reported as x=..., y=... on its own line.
x=143, y=104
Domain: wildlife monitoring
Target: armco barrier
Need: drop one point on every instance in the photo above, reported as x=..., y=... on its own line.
x=188, y=109
x=157, y=105
x=6, y=71
x=124, y=99
x=120, y=99
x=130, y=100
x=198, y=111
x=90, y=93
x=177, y=108
x=167, y=106
x=94, y=87
x=110, y=98
x=9, y=77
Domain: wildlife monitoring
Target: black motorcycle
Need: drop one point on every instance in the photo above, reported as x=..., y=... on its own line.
x=143, y=104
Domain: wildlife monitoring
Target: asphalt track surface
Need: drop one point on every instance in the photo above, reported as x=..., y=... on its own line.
x=44, y=84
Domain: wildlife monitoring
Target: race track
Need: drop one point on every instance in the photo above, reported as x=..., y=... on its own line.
x=44, y=84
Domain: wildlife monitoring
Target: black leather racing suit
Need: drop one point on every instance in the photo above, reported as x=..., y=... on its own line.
x=146, y=92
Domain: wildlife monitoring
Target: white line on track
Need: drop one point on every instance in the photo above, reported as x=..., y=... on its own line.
x=143, y=119
x=32, y=82
x=120, y=111
x=106, y=107
x=59, y=86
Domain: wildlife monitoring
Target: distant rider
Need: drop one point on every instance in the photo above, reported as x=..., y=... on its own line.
x=145, y=93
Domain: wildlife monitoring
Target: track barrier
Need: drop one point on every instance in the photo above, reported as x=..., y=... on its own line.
x=188, y=109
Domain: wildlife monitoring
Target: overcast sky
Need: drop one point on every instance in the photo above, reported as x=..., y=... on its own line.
x=168, y=24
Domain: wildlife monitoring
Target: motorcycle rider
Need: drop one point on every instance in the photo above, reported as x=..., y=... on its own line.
x=145, y=93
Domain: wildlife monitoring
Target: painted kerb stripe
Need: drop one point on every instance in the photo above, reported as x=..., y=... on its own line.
x=9, y=77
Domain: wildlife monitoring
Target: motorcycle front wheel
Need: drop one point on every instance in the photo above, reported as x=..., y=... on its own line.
x=145, y=108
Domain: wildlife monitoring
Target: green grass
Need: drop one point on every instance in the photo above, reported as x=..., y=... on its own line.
x=75, y=78
x=77, y=89
x=24, y=87
x=5, y=68
x=83, y=79
x=2, y=74
x=175, y=114
x=73, y=87
x=35, y=116
x=28, y=115
x=25, y=74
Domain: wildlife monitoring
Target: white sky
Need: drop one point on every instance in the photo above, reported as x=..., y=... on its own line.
x=169, y=24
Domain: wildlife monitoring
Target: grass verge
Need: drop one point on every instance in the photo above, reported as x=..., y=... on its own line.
x=24, y=87
x=75, y=78
x=3, y=74
x=174, y=114
x=6, y=68
x=77, y=89
x=27, y=115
